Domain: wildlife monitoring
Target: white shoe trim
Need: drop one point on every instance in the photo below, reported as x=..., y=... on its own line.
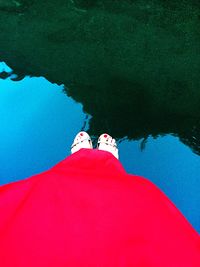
x=82, y=140
x=107, y=143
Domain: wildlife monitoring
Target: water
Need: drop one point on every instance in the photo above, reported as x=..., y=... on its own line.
x=103, y=68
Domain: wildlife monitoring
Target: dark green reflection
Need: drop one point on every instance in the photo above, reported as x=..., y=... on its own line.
x=133, y=64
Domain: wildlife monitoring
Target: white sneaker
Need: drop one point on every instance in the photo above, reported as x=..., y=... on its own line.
x=107, y=143
x=82, y=140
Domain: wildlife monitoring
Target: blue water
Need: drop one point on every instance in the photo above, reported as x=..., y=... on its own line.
x=39, y=122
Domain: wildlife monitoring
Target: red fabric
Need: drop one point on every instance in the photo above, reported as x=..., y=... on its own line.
x=87, y=211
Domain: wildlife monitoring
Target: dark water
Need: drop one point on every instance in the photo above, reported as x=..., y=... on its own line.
x=129, y=68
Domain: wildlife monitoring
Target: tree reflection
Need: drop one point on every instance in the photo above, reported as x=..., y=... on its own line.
x=134, y=65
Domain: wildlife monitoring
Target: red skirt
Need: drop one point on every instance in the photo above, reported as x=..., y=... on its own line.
x=87, y=211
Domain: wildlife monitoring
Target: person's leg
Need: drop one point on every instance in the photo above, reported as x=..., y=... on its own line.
x=107, y=143
x=82, y=140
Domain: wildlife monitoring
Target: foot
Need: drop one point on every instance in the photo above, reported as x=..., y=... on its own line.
x=107, y=143
x=82, y=140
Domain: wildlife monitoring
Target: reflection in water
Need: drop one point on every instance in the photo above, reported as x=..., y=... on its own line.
x=38, y=124
x=134, y=66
